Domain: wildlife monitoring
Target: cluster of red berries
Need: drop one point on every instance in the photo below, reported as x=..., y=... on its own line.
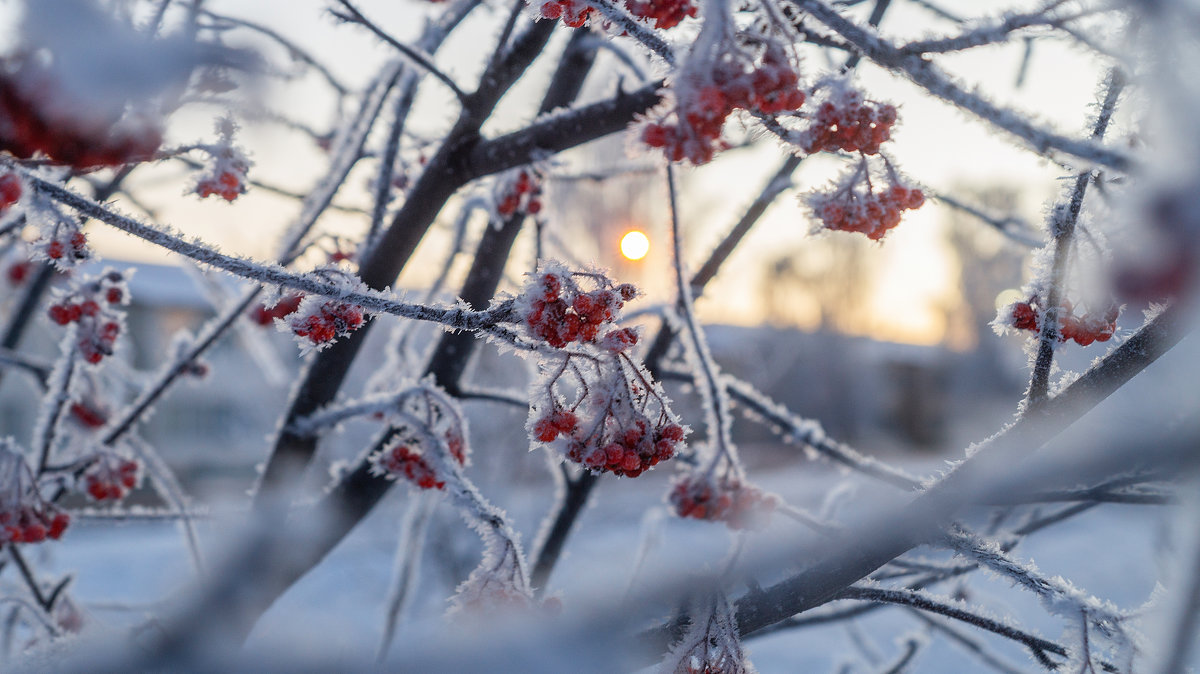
x=18, y=272
x=226, y=184
x=574, y=13
x=68, y=246
x=88, y=415
x=523, y=194
x=728, y=500
x=846, y=122
x=326, y=321
x=406, y=461
x=29, y=524
x=35, y=121
x=401, y=460
x=90, y=306
x=871, y=213
x=285, y=306
x=10, y=191
x=664, y=13
x=630, y=452
x=1092, y=327
x=110, y=477
x=559, y=312
x=700, y=113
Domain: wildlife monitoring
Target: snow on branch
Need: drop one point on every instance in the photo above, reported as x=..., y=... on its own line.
x=370, y=300
x=924, y=73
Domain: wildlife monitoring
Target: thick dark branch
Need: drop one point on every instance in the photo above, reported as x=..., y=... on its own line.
x=560, y=131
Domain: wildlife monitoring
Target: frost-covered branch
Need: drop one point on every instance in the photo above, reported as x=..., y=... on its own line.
x=1062, y=229
x=413, y=55
x=938, y=83
x=370, y=300
x=1000, y=29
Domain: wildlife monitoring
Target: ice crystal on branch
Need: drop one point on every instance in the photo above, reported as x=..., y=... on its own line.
x=711, y=644
x=25, y=517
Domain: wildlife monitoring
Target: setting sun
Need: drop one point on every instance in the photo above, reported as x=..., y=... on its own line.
x=635, y=245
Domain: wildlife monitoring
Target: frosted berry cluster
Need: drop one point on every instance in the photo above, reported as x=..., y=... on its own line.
x=664, y=13
x=328, y=321
x=10, y=191
x=844, y=121
x=855, y=205
x=65, y=247
x=24, y=516
x=1093, y=326
x=226, y=174
x=42, y=117
x=520, y=194
x=703, y=100
x=92, y=306
x=284, y=306
x=402, y=461
x=727, y=499
x=558, y=311
x=574, y=13
x=110, y=477
x=411, y=454
x=594, y=405
x=88, y=415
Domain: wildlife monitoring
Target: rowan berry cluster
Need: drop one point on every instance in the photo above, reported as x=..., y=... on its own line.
x=854, y=205
x=33, y=524
x=24, y=516
x=1093, y=326
x=574, y=13
x=558, y=311
x=522, y=193
x=322, y=321
x=88, y=415
x=66, y=247
x=41, y=117
x=664, y=13
x=441, y=430
x=10, y=191
x=845, y=121
x=91, y=306
x=596, y=406
x=403, y=461
x=110, y=477
x=705, y=98
x=284, y=306
x=18, y=272
x=726, y=499
x=226, y=175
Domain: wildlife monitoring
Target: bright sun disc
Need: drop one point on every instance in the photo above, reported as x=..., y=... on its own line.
x=635, y=245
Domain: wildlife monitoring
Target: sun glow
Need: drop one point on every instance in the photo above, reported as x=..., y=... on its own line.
x=635, y=245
